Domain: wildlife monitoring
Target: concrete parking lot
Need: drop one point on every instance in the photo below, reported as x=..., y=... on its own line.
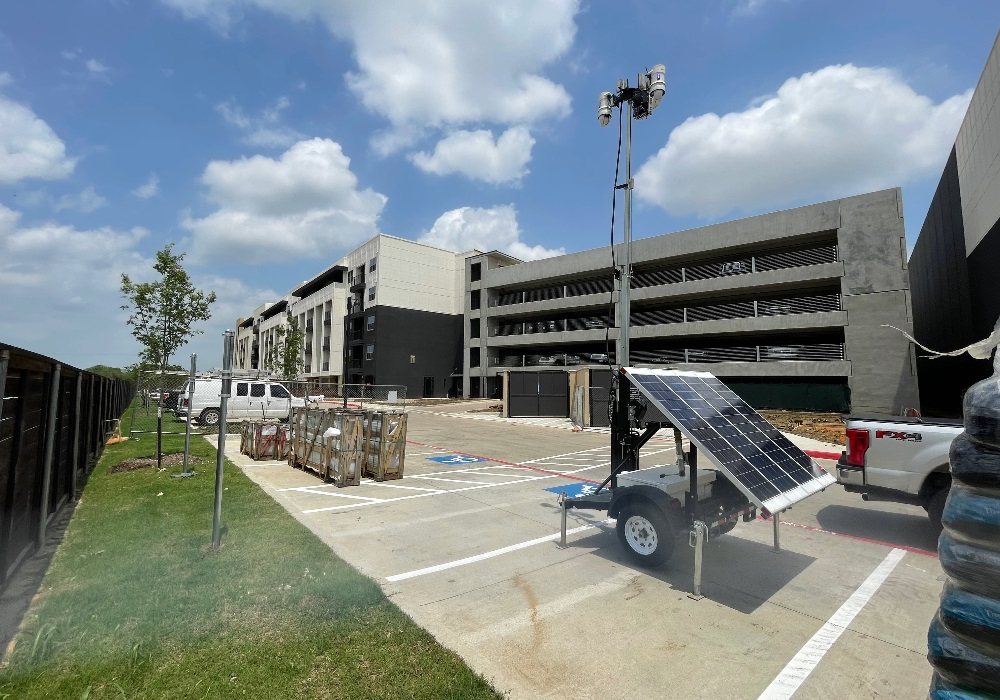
x=467, y=544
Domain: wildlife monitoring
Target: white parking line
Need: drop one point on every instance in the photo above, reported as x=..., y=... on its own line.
x=489, y=555
x=803, y=663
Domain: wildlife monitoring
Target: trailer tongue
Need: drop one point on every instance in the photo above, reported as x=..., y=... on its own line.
x=753, y=466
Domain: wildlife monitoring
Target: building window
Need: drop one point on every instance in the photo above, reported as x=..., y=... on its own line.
x=371, y=323
x=371, y=264
x=477, y=272
x=474, y=328
x=371, y=294
x=475, y=299
x=473, y=357
x=370, y=352
x=350, y=276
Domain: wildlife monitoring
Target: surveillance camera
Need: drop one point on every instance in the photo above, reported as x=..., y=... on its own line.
x=604, y=109
x=657, y=85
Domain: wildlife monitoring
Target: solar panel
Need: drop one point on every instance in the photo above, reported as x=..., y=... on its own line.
x=764, y=464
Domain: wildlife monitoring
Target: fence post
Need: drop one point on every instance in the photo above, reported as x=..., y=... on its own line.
x=187, y=429
x=220, y=454
x=77, y=420
x=50, y=441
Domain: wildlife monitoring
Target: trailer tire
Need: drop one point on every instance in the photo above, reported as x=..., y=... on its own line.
x=935, y=508
x=725, y=528
x=645, y=534
x=210, y=416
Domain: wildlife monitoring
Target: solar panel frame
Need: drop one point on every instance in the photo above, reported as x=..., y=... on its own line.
x=755, y=456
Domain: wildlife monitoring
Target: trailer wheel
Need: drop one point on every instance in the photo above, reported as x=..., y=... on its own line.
x=210, y=416
x=727, y=526
x=645, y=534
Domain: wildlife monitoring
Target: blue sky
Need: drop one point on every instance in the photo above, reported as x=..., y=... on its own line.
x=267, y=138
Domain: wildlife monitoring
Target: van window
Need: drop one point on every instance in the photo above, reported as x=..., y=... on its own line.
x=257, y=390
x=241, y=388
x=279, y=392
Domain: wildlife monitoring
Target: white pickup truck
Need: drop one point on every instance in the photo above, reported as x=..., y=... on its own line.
x=904, y=460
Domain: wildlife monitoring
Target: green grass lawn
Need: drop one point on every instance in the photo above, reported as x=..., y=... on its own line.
x=136, y=605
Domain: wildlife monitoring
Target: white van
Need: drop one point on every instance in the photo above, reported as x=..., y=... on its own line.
x=248, y=399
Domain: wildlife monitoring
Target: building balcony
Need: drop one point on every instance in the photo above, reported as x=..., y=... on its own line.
x=326, y=319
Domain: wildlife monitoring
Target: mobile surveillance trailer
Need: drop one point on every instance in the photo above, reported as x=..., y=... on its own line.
x=753, y=466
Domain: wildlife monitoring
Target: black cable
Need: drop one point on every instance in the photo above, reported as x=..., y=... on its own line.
x=614, y=262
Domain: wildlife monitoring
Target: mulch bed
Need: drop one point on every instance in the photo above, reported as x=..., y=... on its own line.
x=172, y=460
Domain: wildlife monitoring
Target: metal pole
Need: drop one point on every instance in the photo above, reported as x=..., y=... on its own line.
x=50, y=441
x=624, y=307
x=777, y=541
x=220, y=456
x=187, y=428
x=159, y=428
x=679, y=449
x=700, y=534
x=562, y=530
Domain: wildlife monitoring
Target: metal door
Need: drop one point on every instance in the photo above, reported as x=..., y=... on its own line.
x=538, y=394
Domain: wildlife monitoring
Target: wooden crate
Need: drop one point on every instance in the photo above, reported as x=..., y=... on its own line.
x=264, y=440
x=385, y=444
x=338, y=459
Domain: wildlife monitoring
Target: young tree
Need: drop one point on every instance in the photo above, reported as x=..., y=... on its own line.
x=163, y=312
x=285, y=358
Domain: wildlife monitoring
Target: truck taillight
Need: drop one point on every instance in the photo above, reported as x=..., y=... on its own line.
x=857, y=446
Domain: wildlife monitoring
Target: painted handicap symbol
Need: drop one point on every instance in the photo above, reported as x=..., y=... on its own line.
x=456, y=459
x=574, y=490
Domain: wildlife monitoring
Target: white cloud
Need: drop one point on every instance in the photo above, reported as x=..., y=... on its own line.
x=437, y=65
x=5, y=79
x=151, y=188
x=87, y=201
x=264, y=129
x=28, y=147
x=840, y=131
x=70, y=54
x=72, y=280
x=484, y=229
x=305, y=204
x=476, y=155
x=96, y=67
x=752, y=7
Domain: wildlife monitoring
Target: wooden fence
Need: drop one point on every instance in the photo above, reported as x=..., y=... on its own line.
x=54, y=420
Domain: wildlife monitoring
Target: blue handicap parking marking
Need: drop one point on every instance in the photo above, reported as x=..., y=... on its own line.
x=456, y=459
x=575, y=489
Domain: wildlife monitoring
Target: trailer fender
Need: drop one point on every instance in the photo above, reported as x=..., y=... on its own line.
x=623, y=495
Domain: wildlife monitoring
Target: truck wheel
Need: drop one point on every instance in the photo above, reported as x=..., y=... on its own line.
x=210, y=416
x=935, y=508
x=645, y=534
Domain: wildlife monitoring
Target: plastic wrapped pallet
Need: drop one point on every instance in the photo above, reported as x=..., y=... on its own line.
x=385, y=449
x=264, y=440
x=964, y=638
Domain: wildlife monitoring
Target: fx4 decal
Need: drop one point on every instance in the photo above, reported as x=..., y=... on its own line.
x=898, y=435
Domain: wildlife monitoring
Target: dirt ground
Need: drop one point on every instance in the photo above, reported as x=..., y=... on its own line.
x=820, y=426
x=175, y=459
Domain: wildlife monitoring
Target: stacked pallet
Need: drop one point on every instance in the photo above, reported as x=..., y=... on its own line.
x=264, y=440
x=337, y=458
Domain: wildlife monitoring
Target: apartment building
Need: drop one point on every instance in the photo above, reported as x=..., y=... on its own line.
x=389, y=312
x=787, y=308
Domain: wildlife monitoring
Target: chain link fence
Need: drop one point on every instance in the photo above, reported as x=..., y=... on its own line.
x=165, y=396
